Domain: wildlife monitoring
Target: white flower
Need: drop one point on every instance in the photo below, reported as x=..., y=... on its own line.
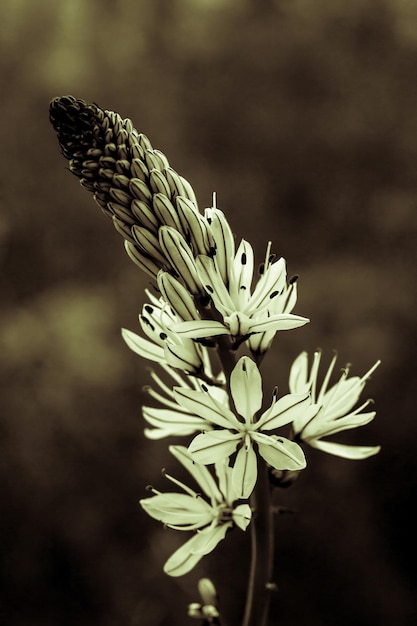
x=243, y=312
x=211, y=517
x=335, y=413
x=229, y=431
x=166, y=346
x=173, y=419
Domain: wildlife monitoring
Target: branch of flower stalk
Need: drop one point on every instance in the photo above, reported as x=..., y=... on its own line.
x=260, y=585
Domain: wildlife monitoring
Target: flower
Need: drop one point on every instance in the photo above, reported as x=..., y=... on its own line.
x=211, y=517
x=166, y=346
x=228, y=431
x=335, y=413
x=229, y=286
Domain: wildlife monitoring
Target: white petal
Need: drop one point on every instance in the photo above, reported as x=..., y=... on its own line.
x=225, y=243
x=345, y=451
x=246, y=388
x=271, y=283
x=242, y=274
x=199, y=329
x=210, y=277
x=179, y=509
x=200, y=473
x=203, y=404
x=166, y=418
x=209, y=538
x=184, y=357
x=284, y=411
x=340, y=398
x=213, y=446
x=299, y=381
x=160, y=433
x=146, y=349
x=242, y=515
x=245, y=471
x=353, y=420
x=224, y=476
x=284, y=321
x=279, y=452
x=183, y=560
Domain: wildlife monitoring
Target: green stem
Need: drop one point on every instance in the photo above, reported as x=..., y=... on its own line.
x=260, y=584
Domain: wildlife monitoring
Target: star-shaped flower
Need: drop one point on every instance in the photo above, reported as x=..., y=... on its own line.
x=336, y=403
x=163, y=345
x=245, y=431
x=243, y=312
x=211, y=517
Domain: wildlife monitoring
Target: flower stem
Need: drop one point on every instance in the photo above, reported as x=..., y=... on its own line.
x=260, y=585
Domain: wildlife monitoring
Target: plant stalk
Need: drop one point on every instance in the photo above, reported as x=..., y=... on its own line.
x=260, y=585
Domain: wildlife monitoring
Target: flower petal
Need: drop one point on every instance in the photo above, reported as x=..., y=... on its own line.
x=345, y=451
x=241, y=276
x=209, y=538
x=242, y=515
x=166, y=418
x=213, y=446
x=245, y=471
x=279, y=452
x=211, y=278
x=299, y=381
x=246, y=388
x=144, y=348
x=203, y=404
x=199, y=329
x=184, y=559
x=179, y=509
x=326, y=428
x=284, y=411
x=281, y=321
x=199, y=472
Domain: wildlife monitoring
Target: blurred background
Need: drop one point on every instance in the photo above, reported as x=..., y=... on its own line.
x=302, y=117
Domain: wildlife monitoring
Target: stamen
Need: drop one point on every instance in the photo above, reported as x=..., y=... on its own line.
x=267, y=256
x=327, y=377
x=188, y=490
x=370, y=371
x=214, y=200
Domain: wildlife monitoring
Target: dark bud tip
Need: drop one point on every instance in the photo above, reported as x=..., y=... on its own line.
x=76, y=123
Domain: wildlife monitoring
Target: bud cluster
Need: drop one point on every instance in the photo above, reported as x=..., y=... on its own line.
x=152, y=207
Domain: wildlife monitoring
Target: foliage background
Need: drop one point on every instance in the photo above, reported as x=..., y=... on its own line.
x=301, y=115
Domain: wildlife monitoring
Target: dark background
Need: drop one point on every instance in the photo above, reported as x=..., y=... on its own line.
x=301, y=115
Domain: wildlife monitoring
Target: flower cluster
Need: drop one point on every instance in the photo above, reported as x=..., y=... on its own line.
x=211, y=517
x=207, y=301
